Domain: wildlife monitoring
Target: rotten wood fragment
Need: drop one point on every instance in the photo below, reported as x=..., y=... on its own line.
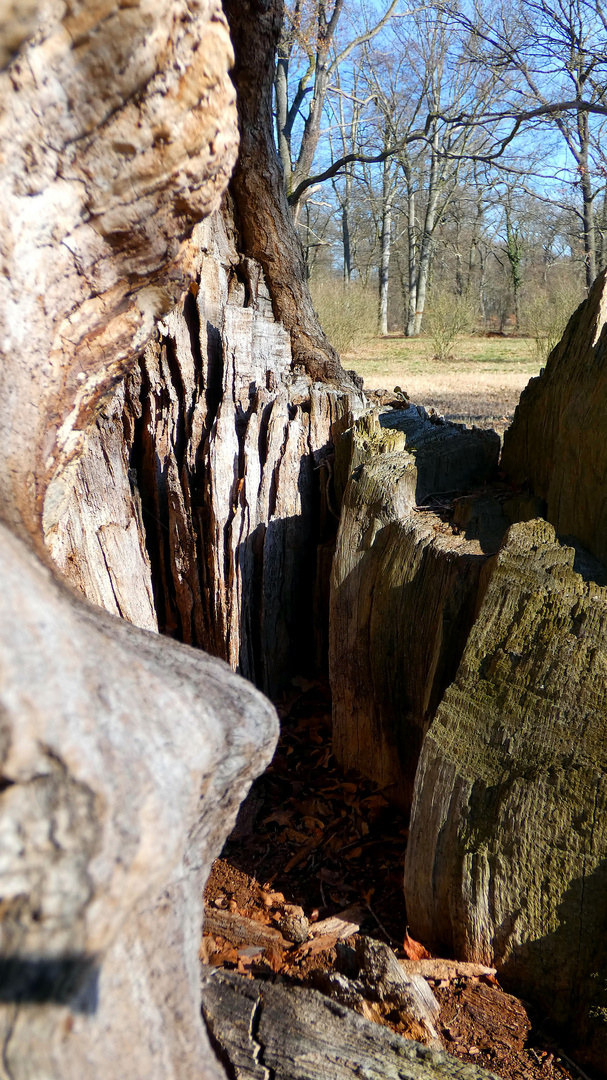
x=446, y=969
x=385, y=980
x=241, y=931
x=342, y=925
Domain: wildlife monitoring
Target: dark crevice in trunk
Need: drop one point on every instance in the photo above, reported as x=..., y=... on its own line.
x=154, y=507
x=214, y=387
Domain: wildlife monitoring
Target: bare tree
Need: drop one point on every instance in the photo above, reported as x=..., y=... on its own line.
x=310, y=48
x=551, y=56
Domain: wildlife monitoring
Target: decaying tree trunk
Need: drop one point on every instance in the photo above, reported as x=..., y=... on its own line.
x=170, y=473
x=215, y=446
x=124, y=755
x=507, y=848
x=290, y=1033
x=507, y=857
x=404, y=588
x=168, y=413
x=221, y=435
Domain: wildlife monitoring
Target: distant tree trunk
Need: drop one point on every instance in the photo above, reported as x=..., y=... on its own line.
x=583, y=161
x=514, y=253
x=385, y=246
x=427, y=240
x=345, y=226
x=601, y=230
x=412, y=256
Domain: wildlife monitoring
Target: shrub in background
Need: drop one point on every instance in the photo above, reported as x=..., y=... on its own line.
x=347, y=311
x=447, y=316
x=546, y=313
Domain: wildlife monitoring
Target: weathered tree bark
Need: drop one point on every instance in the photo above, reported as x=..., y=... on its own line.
x=266, y=227
x=124, y=758
x=291, y=1033
x=404, y=589
x=124, y=755
x=94, y=226
x=507, y=854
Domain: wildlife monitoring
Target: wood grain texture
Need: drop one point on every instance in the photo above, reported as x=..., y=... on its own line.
x=227, y=455
x=507, y=855
x=403, y=589
x=92, y=519
x=118, y=133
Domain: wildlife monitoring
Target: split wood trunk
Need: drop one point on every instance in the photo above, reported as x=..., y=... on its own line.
x=212, y=451
x=404, y=588
x=503, y=692
x=141, y=463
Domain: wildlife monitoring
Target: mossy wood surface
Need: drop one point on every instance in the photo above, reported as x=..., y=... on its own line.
x=507, y=856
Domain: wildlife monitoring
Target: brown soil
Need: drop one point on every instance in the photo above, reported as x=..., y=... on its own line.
x=308, y=835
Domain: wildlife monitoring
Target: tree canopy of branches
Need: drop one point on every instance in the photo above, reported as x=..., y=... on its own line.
x=403, y=109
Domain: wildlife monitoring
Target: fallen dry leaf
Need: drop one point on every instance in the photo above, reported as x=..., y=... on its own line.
x=303, y=853
x=414, y=950
x=275, y=957
x=227, y=955
x=281, y=817
x=208, y=946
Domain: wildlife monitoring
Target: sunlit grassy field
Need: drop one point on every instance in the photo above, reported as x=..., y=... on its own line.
x=481, y=384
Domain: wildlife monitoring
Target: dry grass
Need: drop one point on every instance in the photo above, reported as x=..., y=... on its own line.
x=480, y=385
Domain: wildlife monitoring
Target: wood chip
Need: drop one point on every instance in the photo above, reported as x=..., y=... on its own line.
x=342, y=925
x=316, y=945
x=240, y=930
x=445, y=969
